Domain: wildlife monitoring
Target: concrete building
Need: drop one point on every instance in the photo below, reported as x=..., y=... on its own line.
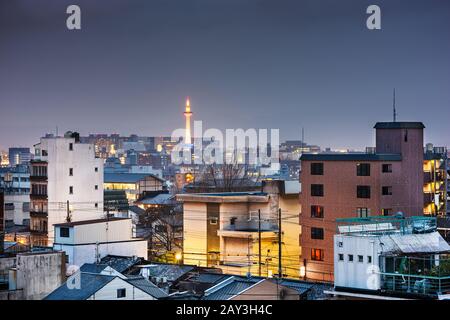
x=15, y=179
x=392, y=257
x=91, y=240
x=66, y=184
x=31, y=275
x=344, y=185
x=222, y=230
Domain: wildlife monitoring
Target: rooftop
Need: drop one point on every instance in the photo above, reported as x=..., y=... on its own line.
x=350, y=157
x=128, y=177
x=83, y=222
x=399, y=125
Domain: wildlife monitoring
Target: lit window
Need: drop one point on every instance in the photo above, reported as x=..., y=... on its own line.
x=316, y=212
x=317, y=254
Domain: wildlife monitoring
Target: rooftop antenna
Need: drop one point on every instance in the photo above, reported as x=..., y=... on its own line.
x=394, y=109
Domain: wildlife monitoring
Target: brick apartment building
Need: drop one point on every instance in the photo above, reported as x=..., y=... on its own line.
x=347, y=185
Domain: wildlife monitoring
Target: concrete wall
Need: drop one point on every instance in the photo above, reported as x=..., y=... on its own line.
x=194, y=233
x=38, y=274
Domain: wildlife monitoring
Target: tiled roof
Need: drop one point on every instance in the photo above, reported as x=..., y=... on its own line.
x=235, y=287
x=89, y=284
x=147, y=287
x=119, y=263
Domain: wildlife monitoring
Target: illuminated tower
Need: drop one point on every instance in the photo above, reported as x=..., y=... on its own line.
x=188, y=114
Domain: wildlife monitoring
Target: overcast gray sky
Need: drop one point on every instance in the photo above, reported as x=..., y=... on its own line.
x=281, y=64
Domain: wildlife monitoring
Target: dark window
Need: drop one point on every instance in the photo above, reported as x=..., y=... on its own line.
x=70, y=146
x=386, y=168
x=317, y=190
x=317, y=169
x=363, y=192
x=121, y=293
x=341, y=257
x=363, y=169
x=363, y=212
x=96, y=205
x=70, y=190
x=64, y=232
x=96, y=187
x=96, y=169
x=44, y=153
x=386, y=212
x=369, y=259
x=360, y=258
x=386, y=191
x=316, y=212
x=70, y=171
x=66, y=258
x=317, y=233
x=317, y=254
x=350, y=258
x=213, y=220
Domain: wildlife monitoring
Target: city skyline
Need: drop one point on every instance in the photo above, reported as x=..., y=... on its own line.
x=289, y=65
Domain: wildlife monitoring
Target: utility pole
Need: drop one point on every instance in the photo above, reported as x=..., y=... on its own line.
x=259, y=241
x=280, y=270
x=68, y=217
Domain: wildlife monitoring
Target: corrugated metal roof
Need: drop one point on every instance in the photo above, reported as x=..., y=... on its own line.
x=232, y=289
x=415, y=243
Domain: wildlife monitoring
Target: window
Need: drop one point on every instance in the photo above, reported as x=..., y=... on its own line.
x=213, y=221
x=70, y=190
x=350, y=258
x=341, y=257
x=317, y=254
x=96, y=169
x=317, y=233
x=317, y=169
x=317, y=190
x=363, y=212
x=70, y=146
x=66, y=258
x=363, y=192
x=369, y=259
x=96, y=205
x=70, y=171
x=360, y=258
x=96, y=187
x=386, y=191
x=44, y=153
x=121, y=293
x=363, y=169
x=64, y=232
x=386, y=212
x=316, y=212
x=340, y=244
x=386, y=168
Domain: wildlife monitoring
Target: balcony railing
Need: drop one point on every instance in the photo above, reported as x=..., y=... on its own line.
x=415, y=284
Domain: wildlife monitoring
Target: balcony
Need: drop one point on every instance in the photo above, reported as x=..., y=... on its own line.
x=34, y=213
x=38, y=178
x=249, y=229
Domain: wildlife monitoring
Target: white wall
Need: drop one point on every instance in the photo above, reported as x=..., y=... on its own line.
x=109, y=292
x=81, y=254
x=361, y=275
x=194, y=229
x=83, y=161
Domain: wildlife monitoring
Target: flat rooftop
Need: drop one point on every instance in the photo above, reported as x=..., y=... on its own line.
x=350, y=157
x=399, y=125
x=79, y=223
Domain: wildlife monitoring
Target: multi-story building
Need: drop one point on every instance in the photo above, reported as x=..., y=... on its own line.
x=347, y=185
x=19, y=156
x=238, y=232
x=390, y=258
x=66, y=185
x=436, y=187
x=135, y=185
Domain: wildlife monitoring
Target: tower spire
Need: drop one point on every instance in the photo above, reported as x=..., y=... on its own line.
x=187, y=115
x=394, y=109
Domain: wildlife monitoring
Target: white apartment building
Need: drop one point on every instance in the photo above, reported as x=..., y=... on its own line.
x=66, y=185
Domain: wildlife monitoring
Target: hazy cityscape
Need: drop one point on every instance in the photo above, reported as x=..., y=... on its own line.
x=214, y=158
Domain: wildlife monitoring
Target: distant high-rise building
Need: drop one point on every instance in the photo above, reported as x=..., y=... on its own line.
x=19, y=156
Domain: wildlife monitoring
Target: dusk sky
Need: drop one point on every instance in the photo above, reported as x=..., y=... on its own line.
x=283, y=64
